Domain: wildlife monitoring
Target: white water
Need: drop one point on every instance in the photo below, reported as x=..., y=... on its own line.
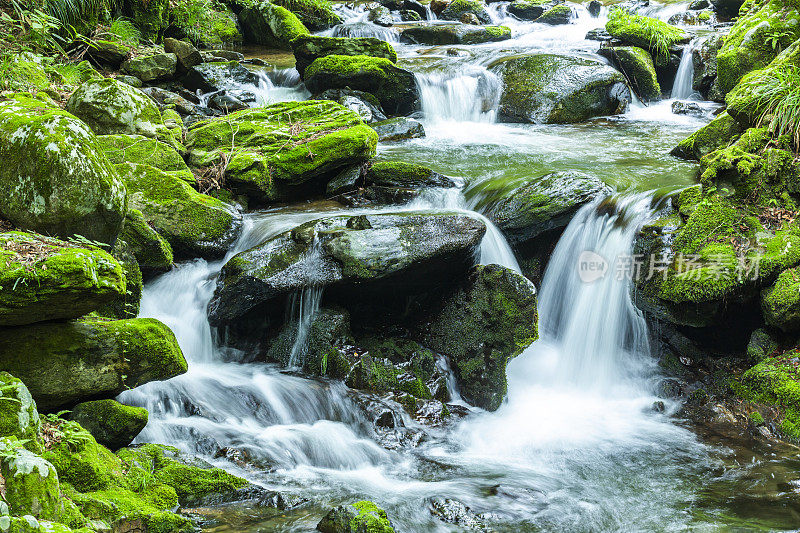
x=469, y=94
x=682, y=88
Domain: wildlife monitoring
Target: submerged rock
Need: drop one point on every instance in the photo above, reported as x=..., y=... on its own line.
x=490, y=319
x=284, y=149
x=395, y=88
x=454, y=34
x=360, y=517
x=550, y=88
x=398, y=128
x=55, y=178
x=47, y=279
x=385, y=254
x=66, y=362
x=112, y=424
x=307, y=48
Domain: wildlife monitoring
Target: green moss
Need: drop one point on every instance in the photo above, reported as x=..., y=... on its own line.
x=307, y=48
x=780, y=302
x=498, y=32
x=17, y=74
x=151, y=17
x=206, y=23
x=30, y=483
x=45, y=279
x=18, y=415
x=127, y=305
x=140, y=149
x=111, y=423
x=151, y=250
x=637, y=66
x=775, y=381
x=716, y=134
x=457, y=8
x=558, y=14
x=316, y=15
x=270, y=25
x=645, y=32
x=371, y=518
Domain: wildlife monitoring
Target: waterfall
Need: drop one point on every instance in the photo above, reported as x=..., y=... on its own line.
x=470, y=94
x=682, y=88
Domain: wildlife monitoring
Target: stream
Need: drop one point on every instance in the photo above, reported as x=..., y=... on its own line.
x=577, y=446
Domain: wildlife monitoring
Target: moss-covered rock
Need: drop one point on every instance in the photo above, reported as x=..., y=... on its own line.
x=194, y=224
x=360, y=517
x=280, y=150
x=458, y=8
x=316, y=15
x=151, y=68
x=637, y=66
x=399, y=253
x=764, y=28
x=775, y=381
x=140, y=149
x=30, y=483
x=54, y=175
x=270, y=25
x=307, y=48
x=111, y=423
x=529, y=9
x=651, y=34
x=125, y=305
x=46, y=279
x=151, y=250
x=558, y=14
x=716, y=134
x=151, y=17
x=404, y=175
x=67, y=362
x=454, y=34
x=18, y=415
x=780, y=302
x=551, y=88
x=486, y=322
x=110, y=53
x=378, y=375
x=207, y=23
x=395, y=88
x=109, y=106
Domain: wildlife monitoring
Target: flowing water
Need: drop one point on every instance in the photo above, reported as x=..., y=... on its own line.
x=577, y=446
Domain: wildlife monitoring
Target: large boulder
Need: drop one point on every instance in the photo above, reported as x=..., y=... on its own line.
x=48, y=279
x=218, y=75
x=359, y=517
x=124, y=148
x=150, y=68
x=456, y=9
x=398, y=253
x=109, y=106
x=307, y=48
x=454, y=34
x=764, y=28
x=395, y=88
x=716, y=134
x=270, y=25
x=559, y=89
x=315, y=15
x=63, y=363
x=637, y=66
x=111, y=423
x=653, y=35
x=556, y=15
x=30, y=483
x=18, y=415
x=490, y=319
x=194, y=224
x=54, y=174
x=151, y=250
x=283, y=149
x=404, y=175
x=544, y=204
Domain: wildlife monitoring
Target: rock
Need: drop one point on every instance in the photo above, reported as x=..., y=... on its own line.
x=167, y=99
x=763, y=344
x=529, y=9
x=490, y=319
x=194, y=224
x=187, y=55
x=316, y=16
x=704, y=61
x=112, y=424
x=226, y=103
x=151, y=250
x=716, y=134
x=360, y=517
x=454, y=34
x=123, y=148
x=151, y=18
x=598, y=34
x=727, y=9
x=267, y=172
x=687, y=108
x=18, y=416
x=403, y=253
x=405, y=175
x=408, y=15
x=212, y=56
x=457, y=8
x=558, y=89
x=558, y=14
x=415, y=7
x=206, y=24
x=109, y=106
x=380, y=16
x=697, y=5
x=156, y=67
x=55, y=177
x=317, y=354
x=133, y=81
x=395, y=88
x=209, y=77
x=780, y=302
x=365, y=104
x=648, y=33
x=307, y=48
x=47, y=279
x=469, y=18
x=399, y=128
x=270, y=25
x=67, y=362
x=30, y=483
x=110, y=53
x=125, y=305
x=455, y=512
x=594, y=8
x=637, y=66
x=744, y=48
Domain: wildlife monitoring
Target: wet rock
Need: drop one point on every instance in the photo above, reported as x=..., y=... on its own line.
x=227, y=103
x=697, y=5
x=469, y=18
x=404, y=175
x=188, y=56
x=209, y=77
x=156, y=67
x=490, y=319
x=265, y=167
x=598, y=34
x=687, y=108
x=716, y=134
x=550, y=88
x=226, y=55
x=164, y=98
x=381, y=16
x=395, y=88
x=315, y=15
x=399, y=128
x=454, y=34
x=365, y=104
x=360, y=517
x=637, y=66
x=644, y=32
x=416, y=7
x=410, y=16
x=455, y=512
x=68, y=362
x=529, y=9
x=270, y=25
x=780, y=302
x=556, y=15
x=727, y=9
x=56, y=180
x=307, y=48
x=763, y=343
x=402, y=253
x=112, y=424
x=704, y=61
x=457, y=8
x=594, y=7
x=544, y=204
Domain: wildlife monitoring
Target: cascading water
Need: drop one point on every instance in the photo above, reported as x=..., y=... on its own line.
x=466, y=95
x=682, y=88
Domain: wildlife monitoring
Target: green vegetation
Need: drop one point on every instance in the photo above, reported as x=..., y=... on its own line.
x=206, y=23
x=644, y=32
x=775, y=381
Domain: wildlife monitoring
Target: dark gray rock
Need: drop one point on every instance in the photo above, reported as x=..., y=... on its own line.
x=208, y=77
x=399, y=128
